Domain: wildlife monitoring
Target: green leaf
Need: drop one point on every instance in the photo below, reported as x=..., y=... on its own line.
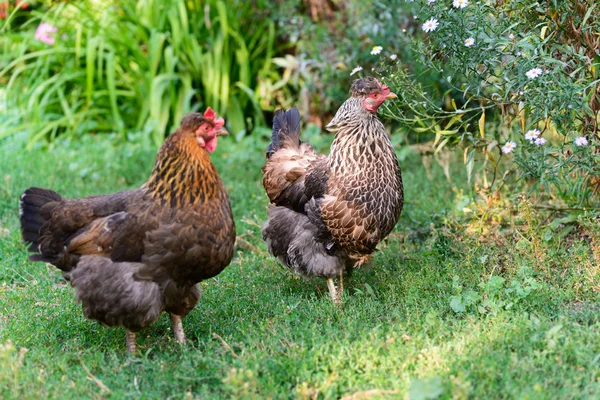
x=421, y=389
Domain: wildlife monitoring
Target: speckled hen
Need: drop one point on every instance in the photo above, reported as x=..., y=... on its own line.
x=134, y=254
x=329, y=212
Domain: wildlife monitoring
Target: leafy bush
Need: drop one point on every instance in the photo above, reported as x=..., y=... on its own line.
x=136, y=65
x=332, y=38
x=505, y=77
x=495, y=294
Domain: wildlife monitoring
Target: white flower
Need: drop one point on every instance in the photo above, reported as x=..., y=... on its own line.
x=355, y=70
x=532, y=135
x=460, y=3
x=376, y=50
x=393, y=56
x=469, y=42
x=534, y=73
x=581, y=141
x=430, y=25
x=508, y=147
x=430, y=1
x=540, y=141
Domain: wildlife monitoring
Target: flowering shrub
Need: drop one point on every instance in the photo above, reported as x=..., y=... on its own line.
x=527, y=70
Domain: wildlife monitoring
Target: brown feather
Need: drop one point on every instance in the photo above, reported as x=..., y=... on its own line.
x=351, y=199
x=143, y=249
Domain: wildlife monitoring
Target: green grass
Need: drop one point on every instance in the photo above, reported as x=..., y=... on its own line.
x=529, y=328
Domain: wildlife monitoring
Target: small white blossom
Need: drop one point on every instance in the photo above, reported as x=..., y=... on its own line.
x=534, y=73
x=508, y=147
x=460, y=3
x=376, y=50
x=430, y=25
x=430, y=2
x=581, y=141
x=540, y=141
x=469, y=42
x=511, y=36
x=355, y=70
x=393, y=56
x=532, y=135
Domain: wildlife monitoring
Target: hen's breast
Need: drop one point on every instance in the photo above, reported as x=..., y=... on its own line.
x=365, y=195
x=191, y=242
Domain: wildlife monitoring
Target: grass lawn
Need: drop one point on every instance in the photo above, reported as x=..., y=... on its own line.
x=448, y=311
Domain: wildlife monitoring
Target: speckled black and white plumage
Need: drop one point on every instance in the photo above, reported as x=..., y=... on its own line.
x=329, y=213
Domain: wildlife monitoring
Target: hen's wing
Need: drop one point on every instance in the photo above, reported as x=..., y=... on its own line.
x=190, y=244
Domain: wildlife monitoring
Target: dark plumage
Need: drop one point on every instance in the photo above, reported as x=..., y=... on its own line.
x=134, y=254
x=328, y=213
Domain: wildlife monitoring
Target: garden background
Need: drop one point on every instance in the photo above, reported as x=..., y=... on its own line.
x=489, y=286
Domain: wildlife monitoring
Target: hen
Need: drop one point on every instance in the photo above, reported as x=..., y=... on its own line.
x=329, y=212
x=134, y=254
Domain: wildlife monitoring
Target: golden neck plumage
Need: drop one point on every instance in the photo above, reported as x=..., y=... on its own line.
x=183, y=173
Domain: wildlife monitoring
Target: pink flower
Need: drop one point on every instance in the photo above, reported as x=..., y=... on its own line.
x=45, y=33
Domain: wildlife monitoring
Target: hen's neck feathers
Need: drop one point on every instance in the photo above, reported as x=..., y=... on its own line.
x=361, y=140
x=183, y=173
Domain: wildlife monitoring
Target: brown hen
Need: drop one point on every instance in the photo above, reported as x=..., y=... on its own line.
x=134, y=254
x=329, y=212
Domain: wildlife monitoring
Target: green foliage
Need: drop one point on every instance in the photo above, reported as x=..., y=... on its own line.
x=495, y=294
x=527, y=67
x=137, y=65
x=331, y=40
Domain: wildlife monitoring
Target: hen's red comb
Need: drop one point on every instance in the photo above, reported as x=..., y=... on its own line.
x=383, y=87
x=209, y=114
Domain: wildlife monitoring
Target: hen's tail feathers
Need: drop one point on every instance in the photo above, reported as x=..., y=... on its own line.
x=286, y=130
x=30, y=205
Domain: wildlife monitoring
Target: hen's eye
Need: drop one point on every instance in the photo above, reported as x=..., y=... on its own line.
x=206, y=128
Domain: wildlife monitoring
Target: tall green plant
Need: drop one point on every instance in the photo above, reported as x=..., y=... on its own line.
x=137, y=65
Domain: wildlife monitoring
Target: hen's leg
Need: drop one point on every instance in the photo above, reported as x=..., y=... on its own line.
x=333, y=291
x=177, y=327
x=130, y=341
x=341, y=286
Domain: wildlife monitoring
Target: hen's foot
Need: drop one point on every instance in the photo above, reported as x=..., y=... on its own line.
x=336, y=292
x=364, y=261
x=177, y=327
x=130, y=341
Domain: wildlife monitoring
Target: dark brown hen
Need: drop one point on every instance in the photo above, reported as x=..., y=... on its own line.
x=134, y=254
x=329, y=213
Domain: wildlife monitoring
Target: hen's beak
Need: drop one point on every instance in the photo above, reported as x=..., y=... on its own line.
x=392, y=95
x=222, y=132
